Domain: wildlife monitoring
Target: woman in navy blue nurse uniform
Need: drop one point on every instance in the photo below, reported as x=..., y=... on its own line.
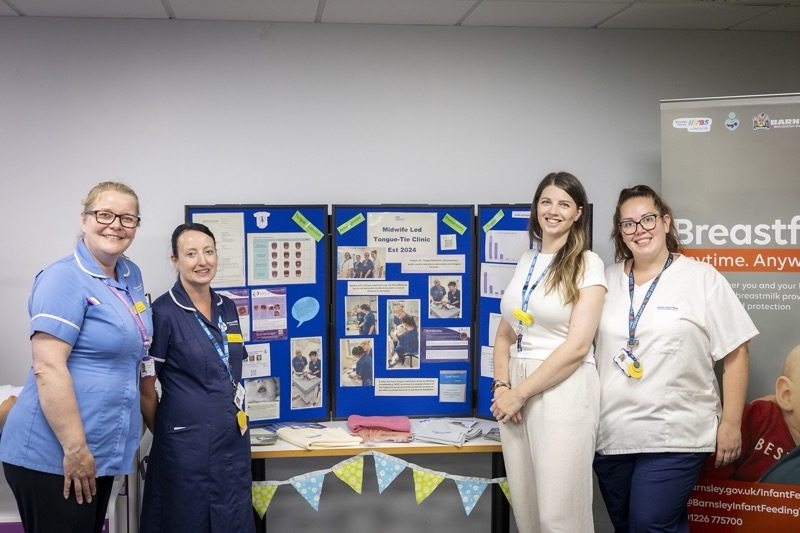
x=75, y=424
x=198, y=476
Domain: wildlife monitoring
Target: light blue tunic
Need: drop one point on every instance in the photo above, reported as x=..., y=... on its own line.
x=71, y=301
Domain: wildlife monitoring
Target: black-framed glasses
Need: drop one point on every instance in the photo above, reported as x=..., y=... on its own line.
x=647, y=222
x=107, y=217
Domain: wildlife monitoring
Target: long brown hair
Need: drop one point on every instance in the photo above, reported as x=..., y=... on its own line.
x=621, y=250
x=568, y=264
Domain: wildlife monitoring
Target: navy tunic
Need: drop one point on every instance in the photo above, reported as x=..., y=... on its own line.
x=198, y=475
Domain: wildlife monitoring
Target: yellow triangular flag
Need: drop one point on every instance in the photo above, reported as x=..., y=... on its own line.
x=425, y=482
x=262, y=496
x=351, y=472
x=505, y=489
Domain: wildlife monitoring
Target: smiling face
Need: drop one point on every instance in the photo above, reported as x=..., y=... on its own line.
x=645, y=244
x=556, y=212
x=197, y=259
x=107, y=243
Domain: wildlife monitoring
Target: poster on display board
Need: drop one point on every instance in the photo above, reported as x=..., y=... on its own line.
x=730, y=176
x=273, y=263
x=502, y=239
x=403, y=310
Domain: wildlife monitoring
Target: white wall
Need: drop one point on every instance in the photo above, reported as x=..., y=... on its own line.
x=226, y=112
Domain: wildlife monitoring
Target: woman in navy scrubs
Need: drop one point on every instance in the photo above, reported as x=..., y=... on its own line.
x=198, y=476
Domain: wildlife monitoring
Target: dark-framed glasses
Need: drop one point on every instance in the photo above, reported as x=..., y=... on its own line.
x=647, y=222
x=107, y=217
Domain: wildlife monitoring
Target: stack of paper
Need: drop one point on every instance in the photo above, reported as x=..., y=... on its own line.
x=262, y=437
x=450, y=431
x=315, y=438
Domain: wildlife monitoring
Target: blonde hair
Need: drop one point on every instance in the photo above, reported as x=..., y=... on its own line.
x=104, y=186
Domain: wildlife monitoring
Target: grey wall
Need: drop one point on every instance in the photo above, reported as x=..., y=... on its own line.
x=226, y=112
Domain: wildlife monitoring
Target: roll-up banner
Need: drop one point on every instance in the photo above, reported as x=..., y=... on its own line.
x=731, y=174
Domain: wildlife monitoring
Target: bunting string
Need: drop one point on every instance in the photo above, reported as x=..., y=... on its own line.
x=387, y=468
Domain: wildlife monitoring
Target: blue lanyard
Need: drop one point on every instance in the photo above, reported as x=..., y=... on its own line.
x=633, y=321
x=222, y=352
x=526, y=293
x=135, y=314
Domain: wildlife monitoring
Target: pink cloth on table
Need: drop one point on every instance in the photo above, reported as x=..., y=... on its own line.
x=394, y=423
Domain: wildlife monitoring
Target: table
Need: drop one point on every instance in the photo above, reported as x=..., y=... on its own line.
x=500, y=508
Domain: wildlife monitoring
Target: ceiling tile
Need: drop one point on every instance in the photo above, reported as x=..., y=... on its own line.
x=780, y=19
x=145, y=9
x=542, y=14
x=436, y=12
x=272, y=11
x=694, y=16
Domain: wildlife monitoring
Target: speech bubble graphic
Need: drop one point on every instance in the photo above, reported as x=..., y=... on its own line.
x=305, y=309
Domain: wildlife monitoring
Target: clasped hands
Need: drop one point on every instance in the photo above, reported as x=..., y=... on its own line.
x=506, y=405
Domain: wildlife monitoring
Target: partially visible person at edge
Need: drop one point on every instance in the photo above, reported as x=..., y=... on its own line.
x=546, y=389
x=75, y=424
x=199, y=475
x=667, y=320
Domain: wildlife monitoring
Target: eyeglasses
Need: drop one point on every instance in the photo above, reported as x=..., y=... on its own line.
x=647, y=223
x=107, y=217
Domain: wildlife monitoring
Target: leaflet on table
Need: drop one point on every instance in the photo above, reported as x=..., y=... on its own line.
x=275, y=426
x=262, y=437
x=449, y=431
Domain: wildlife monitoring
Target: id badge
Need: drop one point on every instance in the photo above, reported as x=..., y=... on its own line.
x=239, y=397
x=147, y=367
x=623, y=360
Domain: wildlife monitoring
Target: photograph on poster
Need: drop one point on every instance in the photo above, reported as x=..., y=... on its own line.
x=269, y=314
x=770, y=428
x=356, y=362
x=447, y=290
x=306, y=373
x=354, y=262
x=281, y=258
x=361, y=315
x=258, y=361
x=262, y=397
x=402, y=343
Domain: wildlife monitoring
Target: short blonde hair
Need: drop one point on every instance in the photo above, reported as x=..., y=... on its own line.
x=104, y=186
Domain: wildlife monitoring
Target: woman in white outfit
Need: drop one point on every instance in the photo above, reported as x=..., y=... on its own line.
x=546, y=389
x=667, y=320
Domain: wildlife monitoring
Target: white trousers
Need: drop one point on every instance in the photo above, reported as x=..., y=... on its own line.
x=548, y=457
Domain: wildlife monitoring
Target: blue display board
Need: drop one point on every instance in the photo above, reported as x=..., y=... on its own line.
x=402, y=345
x=502, y=238
x=274, y=265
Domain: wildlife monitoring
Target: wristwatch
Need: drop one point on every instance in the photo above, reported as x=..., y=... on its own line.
x=499, y=383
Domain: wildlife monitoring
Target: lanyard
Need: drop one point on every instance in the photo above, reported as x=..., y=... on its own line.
x=526, y=293
x=222, y=352
x=633, y=321
x=135, y=314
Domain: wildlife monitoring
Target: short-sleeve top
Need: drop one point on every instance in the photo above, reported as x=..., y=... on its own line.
x=692, y=319
x=71, y=301
x=551, y=315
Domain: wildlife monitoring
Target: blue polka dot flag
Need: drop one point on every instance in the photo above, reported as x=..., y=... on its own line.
x=310, y=487
x=471, y=490
x=387, y=468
